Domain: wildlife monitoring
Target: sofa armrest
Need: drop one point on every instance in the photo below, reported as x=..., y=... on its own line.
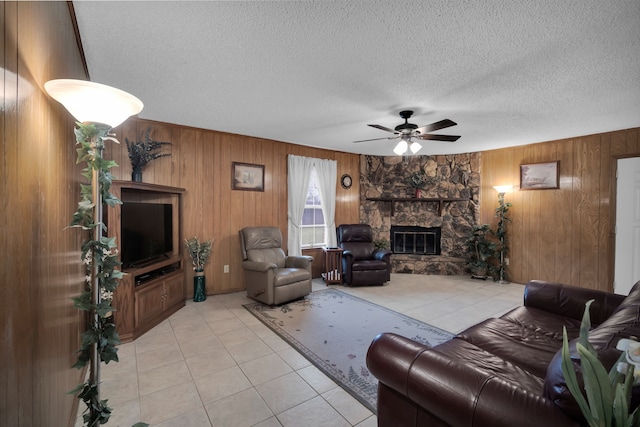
x=569, y=301
x=302, y=261
x=258, y=266
x=454, y=392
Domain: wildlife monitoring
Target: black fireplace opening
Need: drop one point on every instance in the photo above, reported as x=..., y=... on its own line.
x=415, y=240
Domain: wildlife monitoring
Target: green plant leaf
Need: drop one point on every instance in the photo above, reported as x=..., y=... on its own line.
x=585, y=327
x=572, y=380
x=620, y=407
x=596, y=385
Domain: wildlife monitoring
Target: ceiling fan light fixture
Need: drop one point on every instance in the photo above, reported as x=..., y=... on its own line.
x=401, y=148
x=415, y=147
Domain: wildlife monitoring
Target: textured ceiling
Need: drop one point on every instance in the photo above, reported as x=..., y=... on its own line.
x=317, y=72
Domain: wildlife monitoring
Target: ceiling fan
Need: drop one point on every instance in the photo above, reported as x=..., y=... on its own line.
x=406, y=131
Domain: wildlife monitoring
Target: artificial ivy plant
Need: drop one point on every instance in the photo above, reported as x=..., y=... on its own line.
x=501, y=233
x=100, y=258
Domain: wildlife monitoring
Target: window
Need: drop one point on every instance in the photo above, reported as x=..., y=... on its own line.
x=313, y=225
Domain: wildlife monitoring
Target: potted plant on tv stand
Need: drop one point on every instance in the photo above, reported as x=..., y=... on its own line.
x=142, y=152
x=199, y=253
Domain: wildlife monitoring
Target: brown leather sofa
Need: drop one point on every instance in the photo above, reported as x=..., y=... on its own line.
x=500, y=372
x=362, y=263
x=271, y=276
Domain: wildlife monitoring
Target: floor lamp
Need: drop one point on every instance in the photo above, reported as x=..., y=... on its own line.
x=501, y=213
x=104, y=108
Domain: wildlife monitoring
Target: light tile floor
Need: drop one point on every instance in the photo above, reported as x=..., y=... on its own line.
x=213, y=364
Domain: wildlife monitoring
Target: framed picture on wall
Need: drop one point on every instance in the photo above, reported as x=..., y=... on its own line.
x=247, y=177
x=540, y=176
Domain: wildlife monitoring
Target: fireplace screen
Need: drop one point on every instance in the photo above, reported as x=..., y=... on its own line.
x=415, y=240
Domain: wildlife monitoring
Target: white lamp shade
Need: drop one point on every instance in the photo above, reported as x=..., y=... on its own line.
x=94, y=102
x=503, y=188
x=401, y=148
x=415, y=147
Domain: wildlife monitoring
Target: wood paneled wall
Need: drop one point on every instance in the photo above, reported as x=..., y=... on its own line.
x=200, y=162
x=41, y=268
x=564, y=235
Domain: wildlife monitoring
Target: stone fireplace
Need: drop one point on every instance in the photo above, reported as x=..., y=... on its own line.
x=425, y=237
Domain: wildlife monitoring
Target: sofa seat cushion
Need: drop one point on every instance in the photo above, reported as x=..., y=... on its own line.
x=478, y=358
x=527, y=348
x=371, y=264
x=543, y=322
x=287, y=276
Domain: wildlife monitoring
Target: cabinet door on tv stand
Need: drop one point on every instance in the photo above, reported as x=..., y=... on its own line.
x=149, y=303
x=174, y=290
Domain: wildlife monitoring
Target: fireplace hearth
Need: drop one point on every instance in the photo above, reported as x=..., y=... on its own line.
x=415, y=240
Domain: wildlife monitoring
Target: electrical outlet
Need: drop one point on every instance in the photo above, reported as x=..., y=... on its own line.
x=226, y=268
x=506, y=261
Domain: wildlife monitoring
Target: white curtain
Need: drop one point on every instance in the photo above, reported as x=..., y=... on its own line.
x=326, y=171
x=298, y=174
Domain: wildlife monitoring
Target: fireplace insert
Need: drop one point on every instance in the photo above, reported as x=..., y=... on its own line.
x=415, y=240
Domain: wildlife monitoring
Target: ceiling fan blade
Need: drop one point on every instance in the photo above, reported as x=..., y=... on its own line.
x=377, y=139
x=383, y=128
x=434, y=137
x=442, y=124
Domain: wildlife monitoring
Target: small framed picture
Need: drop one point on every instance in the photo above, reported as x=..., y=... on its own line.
x=540, y=176
x=247, y=177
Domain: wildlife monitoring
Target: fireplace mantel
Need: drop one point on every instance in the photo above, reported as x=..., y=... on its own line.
x=440, y=200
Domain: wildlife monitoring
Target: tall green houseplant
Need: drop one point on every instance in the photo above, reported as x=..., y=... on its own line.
x=479, y=251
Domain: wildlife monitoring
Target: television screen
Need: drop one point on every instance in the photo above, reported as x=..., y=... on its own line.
x=146, y=233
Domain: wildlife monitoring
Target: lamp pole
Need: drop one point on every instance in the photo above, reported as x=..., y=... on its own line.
x=97, y=108
x=501, y=212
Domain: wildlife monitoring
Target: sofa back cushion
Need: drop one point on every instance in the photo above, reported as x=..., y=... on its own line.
x=263, y=244
x=357, y=239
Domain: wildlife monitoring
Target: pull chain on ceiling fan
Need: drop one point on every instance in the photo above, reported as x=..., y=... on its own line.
x=406, y=131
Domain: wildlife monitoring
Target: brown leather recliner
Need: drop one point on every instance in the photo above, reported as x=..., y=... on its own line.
x=362, y=263
x=271, y=276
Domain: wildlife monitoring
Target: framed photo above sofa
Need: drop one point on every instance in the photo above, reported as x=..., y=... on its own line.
x=247, y=177
x=540, y=176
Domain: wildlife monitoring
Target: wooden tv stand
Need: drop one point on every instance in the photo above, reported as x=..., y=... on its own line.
x=150, y=293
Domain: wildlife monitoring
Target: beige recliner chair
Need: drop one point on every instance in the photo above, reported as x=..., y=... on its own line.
x=270, y=275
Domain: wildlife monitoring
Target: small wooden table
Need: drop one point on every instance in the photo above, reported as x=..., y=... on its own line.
x=332, y=265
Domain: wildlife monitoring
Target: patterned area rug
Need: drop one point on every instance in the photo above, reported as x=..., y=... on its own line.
x=334, y=329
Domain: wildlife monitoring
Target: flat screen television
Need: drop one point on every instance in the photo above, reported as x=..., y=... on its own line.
x=146, y=233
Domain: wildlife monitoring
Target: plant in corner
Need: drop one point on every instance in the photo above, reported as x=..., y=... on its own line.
x=479, y=251
x=608, y=395
x=142, y=152
x=381, y=244
x=199, y=252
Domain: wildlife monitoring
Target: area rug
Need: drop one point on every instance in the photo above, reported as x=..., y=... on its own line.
x=334, y=329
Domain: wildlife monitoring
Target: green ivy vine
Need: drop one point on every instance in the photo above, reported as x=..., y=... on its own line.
x=501, y=232
x=103, y=254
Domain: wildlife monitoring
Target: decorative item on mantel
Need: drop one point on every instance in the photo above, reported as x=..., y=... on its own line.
x=418, y=180
x=199, y=253
x=142, y=152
